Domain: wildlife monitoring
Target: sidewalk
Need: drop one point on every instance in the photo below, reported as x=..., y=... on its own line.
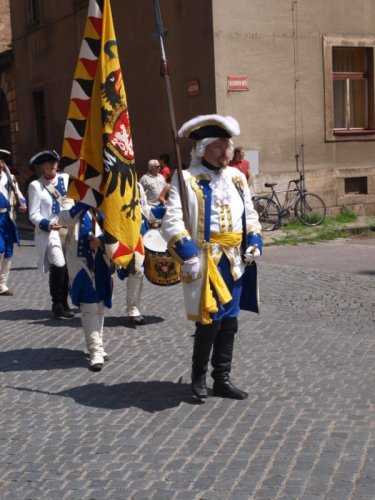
x=363, y=225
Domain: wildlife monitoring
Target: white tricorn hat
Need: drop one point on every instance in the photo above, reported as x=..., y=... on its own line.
x=204, y=126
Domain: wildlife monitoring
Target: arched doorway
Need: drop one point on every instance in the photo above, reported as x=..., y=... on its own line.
x=5, y=135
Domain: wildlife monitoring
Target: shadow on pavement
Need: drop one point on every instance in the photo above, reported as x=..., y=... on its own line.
x=23, y=268
x=370, y=272
x=38, y=317
x=49, y=358
x=112, y=321
x=151, y=396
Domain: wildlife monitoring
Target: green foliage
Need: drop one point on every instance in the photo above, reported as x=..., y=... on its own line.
x=323, y=235
x=346, y=215
x=313, y=238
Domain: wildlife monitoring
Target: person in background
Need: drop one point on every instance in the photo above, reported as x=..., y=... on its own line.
x=11, y=199
x=165, y=169
x=224, y=237
x=163, y=198
x=134, y=274
x=239, y=162
x=153, y=182
x=89, y=275
x=47, y=197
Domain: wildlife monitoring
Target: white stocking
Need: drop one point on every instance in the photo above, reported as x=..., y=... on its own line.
x=92, y=327
x=101, y=308
x=4, y=272
x=133, y=293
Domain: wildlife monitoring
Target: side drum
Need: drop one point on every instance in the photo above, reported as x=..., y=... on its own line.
x=160, y=267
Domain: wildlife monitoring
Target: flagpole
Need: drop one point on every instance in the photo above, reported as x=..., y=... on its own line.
x=164, y=72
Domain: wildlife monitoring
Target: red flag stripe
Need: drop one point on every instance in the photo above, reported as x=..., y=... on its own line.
x=97, y=23
x=83, y=105
x=90, y=66
x=75, y=144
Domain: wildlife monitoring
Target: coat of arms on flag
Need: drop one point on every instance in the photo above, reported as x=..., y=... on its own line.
x=98, y=150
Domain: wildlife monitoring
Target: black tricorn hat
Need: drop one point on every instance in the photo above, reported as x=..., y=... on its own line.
x=43, y=156
x=5, y=155
x=204, y=126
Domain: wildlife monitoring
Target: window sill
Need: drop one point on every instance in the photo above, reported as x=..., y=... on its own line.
x=354, y=132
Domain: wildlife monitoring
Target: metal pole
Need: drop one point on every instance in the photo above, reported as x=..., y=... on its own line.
x=303, y=166
x=164, y=72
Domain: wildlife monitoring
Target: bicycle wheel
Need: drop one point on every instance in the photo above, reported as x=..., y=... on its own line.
x=269, y=213
x=310, y=209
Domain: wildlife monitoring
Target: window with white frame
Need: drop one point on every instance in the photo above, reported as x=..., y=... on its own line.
x=349, y=87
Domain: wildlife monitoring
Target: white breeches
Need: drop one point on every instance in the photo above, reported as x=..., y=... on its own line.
x=55, y=254
x=4, y=272
x=133, y=293
x=92, y=317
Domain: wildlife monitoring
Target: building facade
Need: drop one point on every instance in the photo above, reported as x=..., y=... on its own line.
x=299, y=76
x=8, y=110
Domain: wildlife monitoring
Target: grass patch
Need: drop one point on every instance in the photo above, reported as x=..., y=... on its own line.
x=344, y=217
x=320, y=236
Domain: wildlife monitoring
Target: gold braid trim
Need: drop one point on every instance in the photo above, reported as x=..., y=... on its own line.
x=201, y=207
x=172, y=242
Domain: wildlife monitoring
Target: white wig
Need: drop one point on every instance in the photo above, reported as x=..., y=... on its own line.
x=198, y=150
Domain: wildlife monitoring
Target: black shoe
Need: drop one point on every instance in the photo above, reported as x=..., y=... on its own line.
x=225, y=389
x=137, y=320
x=7, y=293
x=198, y=387
x=97, y=367
x=69, y=314
x=61, y=313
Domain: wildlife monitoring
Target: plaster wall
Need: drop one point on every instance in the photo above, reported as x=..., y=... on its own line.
x=281, y=52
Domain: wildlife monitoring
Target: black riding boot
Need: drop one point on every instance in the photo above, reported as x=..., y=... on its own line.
x=222, y=361
x=57, y=286
x=203, y=340
x=65, y=293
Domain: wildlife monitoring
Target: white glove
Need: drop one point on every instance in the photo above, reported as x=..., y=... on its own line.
x=190, y=269
x=251, y=254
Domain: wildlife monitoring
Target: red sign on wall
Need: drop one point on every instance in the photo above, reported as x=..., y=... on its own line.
x=192, y=87
x=238, y=83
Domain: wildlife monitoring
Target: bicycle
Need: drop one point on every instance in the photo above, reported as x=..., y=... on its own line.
x=309, y=208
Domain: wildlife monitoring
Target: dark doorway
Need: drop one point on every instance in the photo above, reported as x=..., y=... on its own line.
x=5, y=137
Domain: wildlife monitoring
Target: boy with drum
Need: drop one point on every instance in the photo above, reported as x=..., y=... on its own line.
x=135, y=274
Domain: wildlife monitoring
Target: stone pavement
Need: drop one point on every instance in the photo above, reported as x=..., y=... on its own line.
x=133, y=431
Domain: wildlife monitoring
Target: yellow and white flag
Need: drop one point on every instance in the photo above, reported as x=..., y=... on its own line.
x=98, y=149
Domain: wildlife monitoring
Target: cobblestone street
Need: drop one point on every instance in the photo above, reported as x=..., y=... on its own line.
x=133, y=430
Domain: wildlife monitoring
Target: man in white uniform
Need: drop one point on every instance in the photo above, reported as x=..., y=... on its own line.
x=47, y=197
x=11, y=199
x=217, y=251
